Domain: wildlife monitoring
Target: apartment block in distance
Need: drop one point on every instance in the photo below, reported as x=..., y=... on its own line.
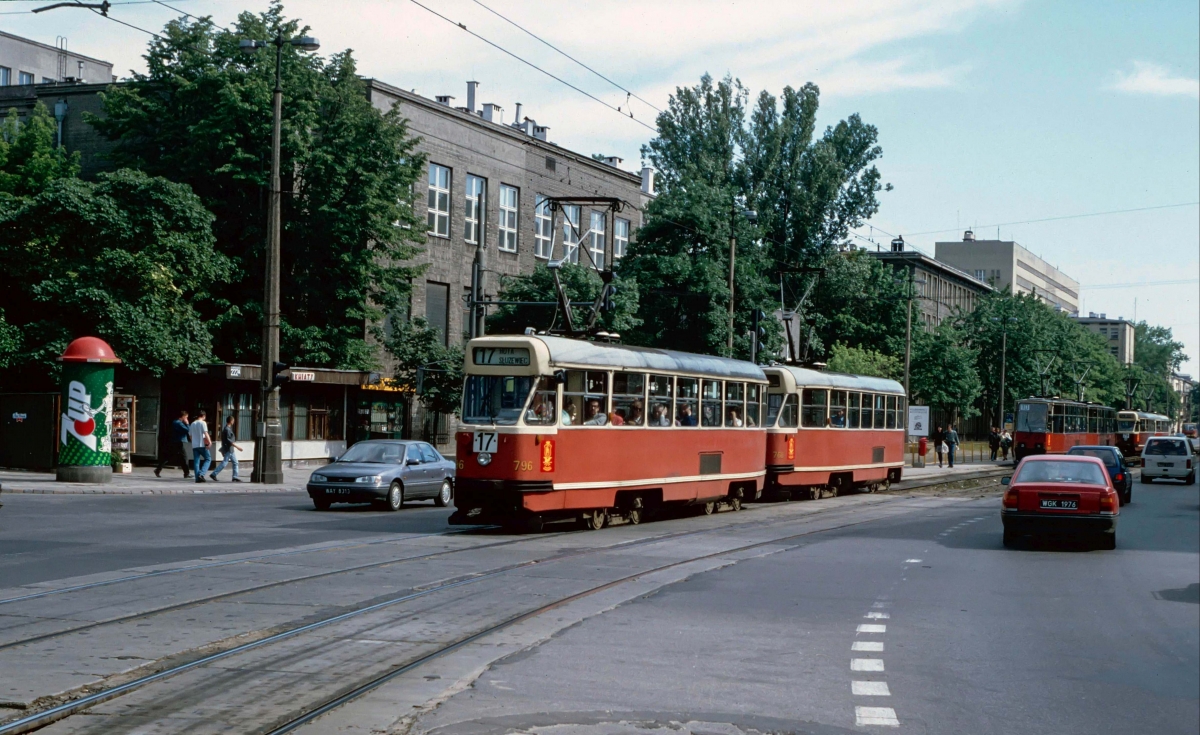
x=1004, y=263
x=1118, y=332
x=24, y=61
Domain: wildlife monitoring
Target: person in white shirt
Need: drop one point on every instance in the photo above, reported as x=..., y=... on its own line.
x=201, y=441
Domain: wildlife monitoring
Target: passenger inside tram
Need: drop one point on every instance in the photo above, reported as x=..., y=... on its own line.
x=662, y=415
x=686, y=417
x=734, y=419
x=837, y=417
x=570, y=414
x=595, y=417
x=635, y=417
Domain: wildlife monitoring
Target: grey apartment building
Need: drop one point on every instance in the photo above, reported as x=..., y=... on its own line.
x=24, y=61
x=1118, y=332
x=1005, y=264
x=940, y=290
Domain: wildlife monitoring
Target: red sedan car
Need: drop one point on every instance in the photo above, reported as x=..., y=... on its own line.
x=1060, y=495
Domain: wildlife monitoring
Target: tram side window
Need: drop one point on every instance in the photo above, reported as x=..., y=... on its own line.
x=789, y=413
x=661, y=393
x=868, y=400
x=814, y=402
x=687, y=395
x=1093, y=421
x=629, y=399
x=891, y=412
x=880, y=411
x=735, y=404
x=901, y=416
x=585, y=399
x=710, y=403
x=852, y=420
x=753, y=404
x=837, y=409
x=543, y=407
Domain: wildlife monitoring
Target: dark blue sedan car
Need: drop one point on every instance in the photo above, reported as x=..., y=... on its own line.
x=385, y=472
x=1114, y=463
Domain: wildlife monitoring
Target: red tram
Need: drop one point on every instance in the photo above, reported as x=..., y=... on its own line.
x=830, y=432
x=1054, y=425
x=1134, y=427
x=563, y=429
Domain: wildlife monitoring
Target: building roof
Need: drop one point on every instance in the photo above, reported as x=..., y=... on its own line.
x=918, y=259
x=57, y=50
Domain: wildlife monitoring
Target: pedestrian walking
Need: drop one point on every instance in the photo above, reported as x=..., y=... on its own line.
x=939, y=443
x=1005, y=444
x=201, y=441
x=951, y=444
x=228, y=450
x=994, y=442
x=179, y=446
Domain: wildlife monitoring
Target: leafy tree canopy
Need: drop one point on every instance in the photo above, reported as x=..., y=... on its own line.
x=942, y=373
x=418, y=348
x=581, y=284
x=860, y=361
x=201, y=115
x=29, y=159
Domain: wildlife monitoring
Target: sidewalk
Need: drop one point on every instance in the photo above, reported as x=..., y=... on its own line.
x=143, y=482
x=931, y=473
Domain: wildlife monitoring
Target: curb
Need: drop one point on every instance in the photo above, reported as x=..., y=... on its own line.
x=104, y=490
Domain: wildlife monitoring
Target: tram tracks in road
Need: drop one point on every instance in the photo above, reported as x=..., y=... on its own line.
x=65, y=710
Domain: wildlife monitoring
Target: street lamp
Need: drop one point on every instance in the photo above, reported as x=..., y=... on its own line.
x=751, y=217
x=1003, y=360
x=268, y=455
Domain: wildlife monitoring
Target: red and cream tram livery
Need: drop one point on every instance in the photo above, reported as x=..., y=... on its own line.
x=1134, y=427
x=1054, y=425
x=829, y=432
x=562, y=429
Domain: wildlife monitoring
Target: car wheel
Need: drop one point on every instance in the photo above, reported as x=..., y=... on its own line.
x=1145, y=479
x=321, y=503
x=1010, y=539
x=443, y=497
x=1128, y=496
x=1108, y=541
x=395, y=498
x=1190, y=479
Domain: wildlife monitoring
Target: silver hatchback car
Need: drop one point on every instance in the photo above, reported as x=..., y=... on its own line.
x=386, y=472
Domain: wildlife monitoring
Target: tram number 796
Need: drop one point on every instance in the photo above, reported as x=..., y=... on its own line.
x=485, y=441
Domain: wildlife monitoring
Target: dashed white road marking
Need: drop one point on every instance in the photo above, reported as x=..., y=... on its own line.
x=912, y=561
x=866, y=664
x=876, y=646
x=881, y=605
x=877, y=615
x=872, y=628
x=885, y=716
x=870, y=689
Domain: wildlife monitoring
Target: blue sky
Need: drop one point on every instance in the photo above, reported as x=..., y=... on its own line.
x=989, y=111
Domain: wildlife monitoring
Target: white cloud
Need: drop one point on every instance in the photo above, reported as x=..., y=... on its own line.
x=1151, y=78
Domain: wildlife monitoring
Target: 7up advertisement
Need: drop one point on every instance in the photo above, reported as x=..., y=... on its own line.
x=85, y=436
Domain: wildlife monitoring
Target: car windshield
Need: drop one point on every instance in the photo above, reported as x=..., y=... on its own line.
x=1032, y=417
x=374, y=453
x=1060, y=471
x=495, y=400
x=1125, y=425
x=1170, y=447
x=1107, y=456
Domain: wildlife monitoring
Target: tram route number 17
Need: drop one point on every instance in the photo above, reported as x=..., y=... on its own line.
x=485, y=441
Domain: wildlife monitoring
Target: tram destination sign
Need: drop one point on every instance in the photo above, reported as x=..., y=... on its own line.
x=501, y=356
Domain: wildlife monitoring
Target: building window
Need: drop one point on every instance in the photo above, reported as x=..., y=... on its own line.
x=5, y=76
x=571, y=215
x=439, y=201
x=508, y=218
x=473, y=216
x=596, y=240
x=620, y=238
x=437, y=309
x=25, y=78
x=980, y=274
x=543, y=228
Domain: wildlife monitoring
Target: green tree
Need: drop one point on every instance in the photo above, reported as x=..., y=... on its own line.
x=580, y=283
x=942, y=373
x=418, y=348
x=127, y=258
x=860, y=361
x=860, y=301
x=202, y=115
x=29, y=158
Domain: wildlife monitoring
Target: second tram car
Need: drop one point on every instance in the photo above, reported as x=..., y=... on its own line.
x=563, y=429
x=830, y=432
x=1054, y=425
x=1134, y=427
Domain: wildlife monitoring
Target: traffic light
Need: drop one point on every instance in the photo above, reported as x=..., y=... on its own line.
x=277, y=375
x=758, y=333
x=607, y=303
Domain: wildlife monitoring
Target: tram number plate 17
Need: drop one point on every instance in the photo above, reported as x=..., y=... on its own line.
x=485, y=441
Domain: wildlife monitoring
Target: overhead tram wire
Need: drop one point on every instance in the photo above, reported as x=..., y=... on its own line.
x=1063, y=217
x=564, y=53
x=532, y=65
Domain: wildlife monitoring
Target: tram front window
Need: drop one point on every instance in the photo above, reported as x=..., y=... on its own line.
x=495, y=399
x=1032, y=417
x=1126, y=425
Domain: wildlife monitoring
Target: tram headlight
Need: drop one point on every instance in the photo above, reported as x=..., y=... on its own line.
x=484, y=459
x=369, y=479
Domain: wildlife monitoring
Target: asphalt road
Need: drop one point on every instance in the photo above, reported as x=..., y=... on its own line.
x=974, y=638
x=48, y=537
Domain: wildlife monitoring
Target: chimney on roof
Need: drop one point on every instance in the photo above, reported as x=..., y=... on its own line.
x=968, y=236
x=898, y=245
x=541, y=131
x=517, y=116
x=444, y=99
x=1091, y=315
x=493, y=113
x=1103, y=315
x=647, y=180
x=471, y=87
x=613, y=161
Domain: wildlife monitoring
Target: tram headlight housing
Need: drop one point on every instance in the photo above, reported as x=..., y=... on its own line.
x=369, y=479
x=484, y=459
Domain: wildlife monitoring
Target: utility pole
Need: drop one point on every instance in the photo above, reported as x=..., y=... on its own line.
x=1003, y=365
x=732, y=261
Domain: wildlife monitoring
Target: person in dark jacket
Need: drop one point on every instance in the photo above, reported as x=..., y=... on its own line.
x=994, y=442
x=179, y=446
x=951, y=444
x=938, y=437
x=229, y=450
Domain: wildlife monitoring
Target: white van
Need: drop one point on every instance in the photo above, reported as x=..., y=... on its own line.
x=1168, y=457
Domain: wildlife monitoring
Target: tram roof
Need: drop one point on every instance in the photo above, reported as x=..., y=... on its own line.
x=566, y=351
x=820, y=378
x=1147, y=415
x=1064, y=401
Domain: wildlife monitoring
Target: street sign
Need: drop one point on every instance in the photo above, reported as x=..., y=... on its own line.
x=918, y=420
x=303, y=376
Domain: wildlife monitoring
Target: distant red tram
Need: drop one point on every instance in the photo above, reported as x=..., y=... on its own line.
x=1054, y=425
x=562, y=429
x=830, y=432
x=1135, y=427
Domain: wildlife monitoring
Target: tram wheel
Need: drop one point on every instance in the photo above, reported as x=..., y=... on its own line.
x=814, y=493
x=735, y=503
x=634, y=516
x=595, y=520
x=710, y=508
